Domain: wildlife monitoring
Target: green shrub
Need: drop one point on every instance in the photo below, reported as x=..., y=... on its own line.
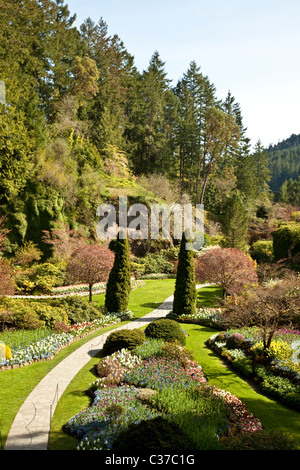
x=185, y=294
x=177, y=352
x=262, y=251
x=283, y=238
x=151, y=435
x=166, y=329
x=261, y=440
x=128, y=339
x=279, y=387
x=41, y=278
x=221, y=337
x=119, y=282
x=235, y=341
x=243, y=365
x=26, y=319
x=28, y=314
x=49, y=314
x=78, y=309
x=295, y=216
x=156, y=263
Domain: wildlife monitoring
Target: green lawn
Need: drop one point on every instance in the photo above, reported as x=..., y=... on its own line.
x=145, y=299
x=208, y=296
x=272, y=415
x=16, y=384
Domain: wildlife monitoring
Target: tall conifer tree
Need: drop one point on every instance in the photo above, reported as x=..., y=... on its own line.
x=119, y=281
x=185, y=294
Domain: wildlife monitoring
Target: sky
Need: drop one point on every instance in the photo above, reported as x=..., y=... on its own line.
x=248, y=47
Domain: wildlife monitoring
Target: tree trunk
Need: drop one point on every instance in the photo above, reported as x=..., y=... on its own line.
x=90, y=291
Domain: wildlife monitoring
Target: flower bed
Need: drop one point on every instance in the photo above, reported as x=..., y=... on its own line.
x=205, y=316
x=115, y=407
x=76, y=289
x=160, y=372
x=277, y=371
x=46, y=348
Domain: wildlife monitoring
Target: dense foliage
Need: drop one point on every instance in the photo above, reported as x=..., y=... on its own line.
x=166, y=329
x=80, y=119
x=119, y=280
x=185, y=286
x=284, y=159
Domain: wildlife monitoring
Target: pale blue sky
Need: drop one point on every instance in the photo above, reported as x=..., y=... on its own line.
x=251, y=48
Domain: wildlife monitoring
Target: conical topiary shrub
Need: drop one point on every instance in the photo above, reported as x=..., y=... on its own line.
x=185, y=295
x=119, y=282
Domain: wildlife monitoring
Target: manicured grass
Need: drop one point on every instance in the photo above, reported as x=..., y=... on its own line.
x=142, y=300
x=73, y=400
x=17, y=384
x=145, y=299
x=208, y=296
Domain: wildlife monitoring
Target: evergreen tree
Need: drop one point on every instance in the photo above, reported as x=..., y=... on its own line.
x=119, y=281
x=196, y=95
x=151, y=121
x=284, y=161
x=235, y=222
x=185, y=294
x=108, y=112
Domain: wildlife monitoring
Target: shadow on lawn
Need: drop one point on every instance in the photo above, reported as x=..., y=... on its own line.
x=158, y=305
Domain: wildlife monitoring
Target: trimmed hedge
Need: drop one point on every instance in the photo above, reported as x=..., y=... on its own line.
x=128, y=339
x=119, y=281
x=283, y=238
x=166, y=329
x=151, y=435
x=185, y=294
x=261, y=440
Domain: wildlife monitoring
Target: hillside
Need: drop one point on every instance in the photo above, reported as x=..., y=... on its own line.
x=284, y=161
x=80, y=126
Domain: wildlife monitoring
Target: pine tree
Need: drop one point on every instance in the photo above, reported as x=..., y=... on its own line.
x=235, y=222
x=151, y=122
x=196, y=95
x=119, y=281
x=185, y=294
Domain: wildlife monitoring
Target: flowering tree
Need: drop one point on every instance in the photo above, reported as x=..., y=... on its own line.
x=3, y=233
x=7, y=286
x=269, y=306
x=229, y=268
x=90, y=264
x=64, y=241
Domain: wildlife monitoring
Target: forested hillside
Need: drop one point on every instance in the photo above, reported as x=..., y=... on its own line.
x=81, y=125
x=285, y=170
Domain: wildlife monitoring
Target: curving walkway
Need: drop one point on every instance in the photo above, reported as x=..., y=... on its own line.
x=31, y=427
